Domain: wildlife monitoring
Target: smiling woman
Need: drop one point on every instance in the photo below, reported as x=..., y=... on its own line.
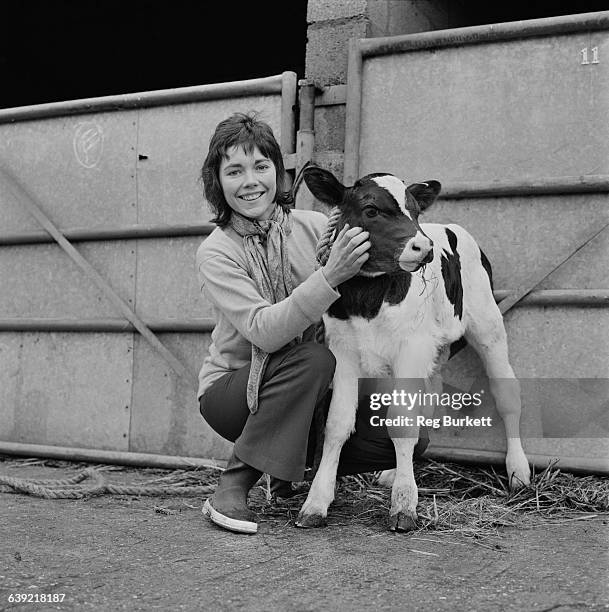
x=243, y=162
x=249, y=182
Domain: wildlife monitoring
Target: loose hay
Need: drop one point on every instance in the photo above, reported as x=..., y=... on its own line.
x=467, y=500
x=470, y=500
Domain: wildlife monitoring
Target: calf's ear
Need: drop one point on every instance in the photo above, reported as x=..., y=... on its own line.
x=324, y=185
x=425, y=193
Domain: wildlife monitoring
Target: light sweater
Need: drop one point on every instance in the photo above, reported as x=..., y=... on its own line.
x=243, y=317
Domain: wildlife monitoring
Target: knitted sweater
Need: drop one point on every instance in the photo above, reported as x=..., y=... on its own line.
x=243, y=317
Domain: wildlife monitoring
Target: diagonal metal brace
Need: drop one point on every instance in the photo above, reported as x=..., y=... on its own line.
x=24, y=198
x=536, y=278
x=581, y=240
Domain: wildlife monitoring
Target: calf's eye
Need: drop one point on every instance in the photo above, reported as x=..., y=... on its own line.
x=371, y=212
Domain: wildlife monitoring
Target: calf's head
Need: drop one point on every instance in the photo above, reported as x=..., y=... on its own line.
x=384, y=206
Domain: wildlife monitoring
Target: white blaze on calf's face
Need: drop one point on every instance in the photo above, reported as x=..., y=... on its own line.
x=396, y=188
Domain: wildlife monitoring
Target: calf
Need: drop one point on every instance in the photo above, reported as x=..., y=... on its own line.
x=422, y=288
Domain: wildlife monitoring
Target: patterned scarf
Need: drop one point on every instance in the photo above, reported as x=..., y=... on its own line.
x=266, y=249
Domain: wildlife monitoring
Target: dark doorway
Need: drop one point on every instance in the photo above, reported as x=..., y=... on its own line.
x=52, y=50
x=478, y=12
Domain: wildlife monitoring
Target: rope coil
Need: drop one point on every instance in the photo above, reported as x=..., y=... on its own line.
x=327, y=240
x=70, y=488
x=322, y=252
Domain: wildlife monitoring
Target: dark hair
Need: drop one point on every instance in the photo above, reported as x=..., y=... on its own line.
x=248, y=131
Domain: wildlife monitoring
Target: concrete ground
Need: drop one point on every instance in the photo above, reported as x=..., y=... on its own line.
x=147, y=553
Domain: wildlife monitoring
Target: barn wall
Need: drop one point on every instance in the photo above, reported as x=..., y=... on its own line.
x=510, y=119
x=331, y=24
x=119, y=176
x=129, y=398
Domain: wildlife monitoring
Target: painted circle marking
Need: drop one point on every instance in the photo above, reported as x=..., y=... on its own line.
x=88, y=144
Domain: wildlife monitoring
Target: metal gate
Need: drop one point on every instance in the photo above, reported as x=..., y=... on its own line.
x=512, y=119
x=118, y=178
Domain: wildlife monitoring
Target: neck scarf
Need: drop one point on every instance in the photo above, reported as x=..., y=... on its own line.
x=266, y=249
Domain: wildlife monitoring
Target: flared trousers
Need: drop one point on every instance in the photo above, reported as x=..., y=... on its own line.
x=277, y=439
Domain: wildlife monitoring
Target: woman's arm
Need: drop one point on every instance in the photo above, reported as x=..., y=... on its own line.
x=268, y=326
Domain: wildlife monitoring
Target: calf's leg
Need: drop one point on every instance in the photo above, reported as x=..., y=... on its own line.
x=386, y=478
x=339, y=426
x=490, y=342
x=415, y=364
x=404, y=493
x=433, y=385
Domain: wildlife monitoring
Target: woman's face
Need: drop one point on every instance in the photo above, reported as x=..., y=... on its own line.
x=249, y=182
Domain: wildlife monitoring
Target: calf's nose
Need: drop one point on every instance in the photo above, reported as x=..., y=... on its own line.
x=420, y=245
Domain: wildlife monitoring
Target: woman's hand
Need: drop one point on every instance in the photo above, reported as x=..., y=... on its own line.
x=347, y=255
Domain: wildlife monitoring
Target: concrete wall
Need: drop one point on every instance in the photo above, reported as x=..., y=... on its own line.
x=115, y=163
x=513, y=108
x=332, y=23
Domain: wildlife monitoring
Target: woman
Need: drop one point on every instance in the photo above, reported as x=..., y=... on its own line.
x=263, y=377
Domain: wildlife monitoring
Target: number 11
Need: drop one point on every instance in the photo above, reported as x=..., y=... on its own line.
x=585, y=60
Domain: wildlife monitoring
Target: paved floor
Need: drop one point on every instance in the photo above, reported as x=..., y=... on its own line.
x=122, y=553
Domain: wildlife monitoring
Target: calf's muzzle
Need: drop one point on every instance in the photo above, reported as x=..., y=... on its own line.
x=418, y=251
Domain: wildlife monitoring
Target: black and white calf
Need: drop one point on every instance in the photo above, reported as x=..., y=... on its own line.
x=422, y=288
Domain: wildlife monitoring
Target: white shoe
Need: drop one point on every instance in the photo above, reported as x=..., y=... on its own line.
x=232, y=524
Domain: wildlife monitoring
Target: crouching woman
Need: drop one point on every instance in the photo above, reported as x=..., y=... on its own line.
x=264, y=376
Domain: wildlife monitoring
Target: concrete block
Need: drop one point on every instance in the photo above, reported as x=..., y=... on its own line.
x=327, y=50
x=165, y=415
x=394, y=17
x=330, y=127
x=322, y=10
x=65, y=162
x=41, y=281
x=66, y=389
x=332, y=161
x=473, y=121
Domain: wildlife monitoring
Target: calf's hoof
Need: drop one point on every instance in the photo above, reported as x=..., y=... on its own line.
x=386, y=478
x=402, y=522
x=518, y=471
x=517, y=481
x=309, y=521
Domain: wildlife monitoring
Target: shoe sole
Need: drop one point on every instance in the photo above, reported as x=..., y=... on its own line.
x=226, y=522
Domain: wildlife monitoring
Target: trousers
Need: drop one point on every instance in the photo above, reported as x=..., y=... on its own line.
x=278, y=438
